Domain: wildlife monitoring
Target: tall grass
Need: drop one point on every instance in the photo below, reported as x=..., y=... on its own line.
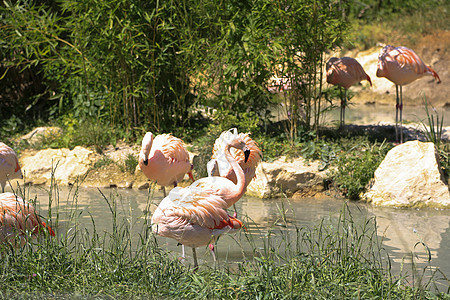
x=338, y=258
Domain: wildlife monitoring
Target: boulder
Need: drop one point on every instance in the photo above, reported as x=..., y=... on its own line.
x=38, y=134
x=409, y=176
x=296, y=178
x=66, y=165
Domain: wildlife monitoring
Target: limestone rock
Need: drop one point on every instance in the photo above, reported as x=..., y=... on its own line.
x=41, y=133
x=67, y=165
x=296, y=178
x=409, y=176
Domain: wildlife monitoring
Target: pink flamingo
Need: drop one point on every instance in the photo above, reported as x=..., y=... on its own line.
x=219, y=166
x=345, y=72
x=9, y=165
x=17, y=217
x=401, y=65
x=196, y=215
x=164, y=159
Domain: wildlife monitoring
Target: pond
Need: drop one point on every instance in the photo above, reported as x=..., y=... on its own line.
x=400, y=229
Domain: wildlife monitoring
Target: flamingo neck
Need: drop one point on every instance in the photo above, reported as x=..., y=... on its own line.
x=240, y=177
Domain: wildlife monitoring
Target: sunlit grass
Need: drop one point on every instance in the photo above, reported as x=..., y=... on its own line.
x=338, y=258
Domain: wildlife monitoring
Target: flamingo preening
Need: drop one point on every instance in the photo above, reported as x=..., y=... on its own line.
x=164, y=159
x=401, y=65
x=196, y=215
x=17, y=217
x=9, y=165
x=219, y=166
x=345, y=72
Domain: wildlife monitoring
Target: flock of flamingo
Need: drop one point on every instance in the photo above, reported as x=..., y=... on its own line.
x=197, y=215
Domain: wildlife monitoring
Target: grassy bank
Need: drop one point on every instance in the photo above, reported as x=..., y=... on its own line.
x=336, y=259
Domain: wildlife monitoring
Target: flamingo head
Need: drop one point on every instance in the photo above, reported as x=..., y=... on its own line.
x=239, y=143
x=147, y=142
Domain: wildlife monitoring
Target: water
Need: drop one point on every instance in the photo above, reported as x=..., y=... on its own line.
x=362, y=114
x=402, y=230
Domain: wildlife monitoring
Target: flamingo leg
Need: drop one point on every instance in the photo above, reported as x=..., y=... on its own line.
x=182, y=252
x=342, y=107
x=401, y=113
x=164, y=191
x=194, y=254
x=397, y=106
x=345, y=104
x=213, y=253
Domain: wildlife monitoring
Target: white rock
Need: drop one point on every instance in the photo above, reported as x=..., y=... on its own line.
x=410, y=176
x=67, y=165
x=286, y=177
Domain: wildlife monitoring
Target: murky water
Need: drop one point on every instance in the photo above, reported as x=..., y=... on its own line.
x=402, y=230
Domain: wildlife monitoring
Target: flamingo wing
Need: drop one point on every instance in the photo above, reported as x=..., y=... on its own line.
x=172, y=147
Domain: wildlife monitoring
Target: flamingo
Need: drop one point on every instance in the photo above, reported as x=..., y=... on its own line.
x=17, y=216
x=164, y=159
x=345, y=72
x=219, y=166
x=401, y=65
x=9, y=165
x=196, y=215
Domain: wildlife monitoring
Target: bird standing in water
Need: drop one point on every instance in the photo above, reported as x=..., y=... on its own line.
x=401, y=65
x=17, y=217
x=196, y=215
x=164, y=159
x=9, y=165
x=345, y=72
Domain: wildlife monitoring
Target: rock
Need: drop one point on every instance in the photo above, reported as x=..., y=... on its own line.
x=67, y=165
x=296, y=178
x=38, y=134
x=409, y=176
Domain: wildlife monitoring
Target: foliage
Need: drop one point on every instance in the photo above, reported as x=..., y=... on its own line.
x=137, y=64
x=394, y=22
x=130, y=163
x=336, y=259
x=433, y=127
x=355, y=165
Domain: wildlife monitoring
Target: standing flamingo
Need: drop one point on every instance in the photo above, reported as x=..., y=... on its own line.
x=345, y=72
x=196, y=215
x=219, y=166
x=401, y=65
x=17, y=217
x=164, y=159
x=9, y=165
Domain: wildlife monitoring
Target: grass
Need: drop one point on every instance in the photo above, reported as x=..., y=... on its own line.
x=337, y=259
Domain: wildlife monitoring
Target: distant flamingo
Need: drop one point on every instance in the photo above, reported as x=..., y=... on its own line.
x=164, y=159
x=401, y=65
x=196, y=215
x=219, y=166
x=9, y=165
x=345, y=72
x=17, y=216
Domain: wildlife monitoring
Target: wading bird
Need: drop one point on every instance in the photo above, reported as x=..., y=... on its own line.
x=164, y=159
x=18, y=219
x=196, y=215
x=401, y=65
x=345, y=72
x=219, y=166
x=9, y=165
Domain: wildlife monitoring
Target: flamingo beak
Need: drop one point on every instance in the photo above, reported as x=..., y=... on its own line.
x=146, y=162
x=246, y=155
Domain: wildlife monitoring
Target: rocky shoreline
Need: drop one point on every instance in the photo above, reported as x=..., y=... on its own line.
x=293, y=178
